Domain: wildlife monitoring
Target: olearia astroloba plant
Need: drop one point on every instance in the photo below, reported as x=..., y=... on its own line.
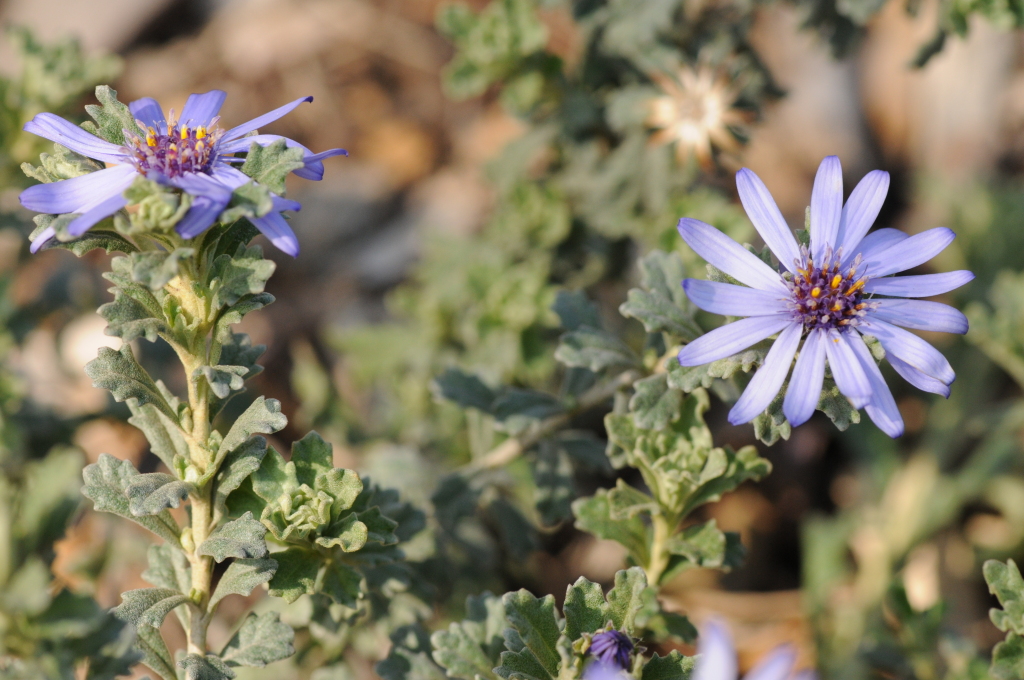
x=231, y=514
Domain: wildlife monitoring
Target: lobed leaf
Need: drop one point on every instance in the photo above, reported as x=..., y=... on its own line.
x=118, y=372
x=240, y=538
x=242, y=576
x=261, y=640
x=154, y=492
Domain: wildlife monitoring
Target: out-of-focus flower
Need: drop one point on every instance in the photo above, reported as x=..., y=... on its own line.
x=696, y=113
x=716, y=659
x=828, y=294
x=191, y=154
x=612, y=648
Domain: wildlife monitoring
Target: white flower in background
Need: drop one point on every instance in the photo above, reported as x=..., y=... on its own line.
x=695, y=113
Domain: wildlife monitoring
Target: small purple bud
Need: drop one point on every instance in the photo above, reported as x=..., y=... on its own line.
x=612, y=648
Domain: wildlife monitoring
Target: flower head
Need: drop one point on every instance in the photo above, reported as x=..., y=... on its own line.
x=829, y=296
x=695, y=112
x=189, y=153
x=612, y=648
x=717, y=659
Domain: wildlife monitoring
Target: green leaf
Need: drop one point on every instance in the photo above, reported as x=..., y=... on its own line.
x=262, y=417
x=654, y=404
x=665, y=625
x=631, y=601
x=240, y=538
x=248, y=201
x=1005, y=582
x=62, y=164
x=470, y=649
x=314, y=457
x=576, y=310
x=106, y=483
x=516, y=409
x=1008, y=659
x=535, y=623
x=223, y=380
x=148, y=606
x=585, y=609
x=594, y=515
x=837, y=407
x=156, y=208
x=269, y=165
x=343, y=584
x=238, y=465
x=235, y=313
x=118, y=372
x=112, y=117
x=675, y=666
x=689, y=378
x=594, y=350
x=554, y=493
x=165, y=437
x=242, y=576
x=155, y=268
x=109, y=241
x=261, y=640
x=296, y=574
x=154, y=492
x=661, y=305
x=135, y=311
x=239, y=351
x=466, y=390
x=703, y=545
x=771, y=424
x=207, y=667
x=585, y=449
x=232, y=277
x=168, y=568
x=409, y=658
x=155, y=653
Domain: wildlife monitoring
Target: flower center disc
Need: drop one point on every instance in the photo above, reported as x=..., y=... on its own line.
x=181, y=150
x=827, y=297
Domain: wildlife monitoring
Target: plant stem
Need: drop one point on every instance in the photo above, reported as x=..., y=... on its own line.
x=658, y=561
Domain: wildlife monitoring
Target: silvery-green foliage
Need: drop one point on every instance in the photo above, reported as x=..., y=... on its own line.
x=1005, y=582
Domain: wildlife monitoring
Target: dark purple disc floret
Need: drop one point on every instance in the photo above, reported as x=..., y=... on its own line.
x=612, y=648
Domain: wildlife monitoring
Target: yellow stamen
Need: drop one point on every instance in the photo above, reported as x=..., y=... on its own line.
x=200, y=145
x=151, y=137
x=837, y=306
x=184, y=132
x=200, y=132
x=861, y=306
x=836, y=280
x=855, y=287
x=815, y=292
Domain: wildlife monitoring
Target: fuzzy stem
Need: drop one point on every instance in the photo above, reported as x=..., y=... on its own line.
x=659, y=558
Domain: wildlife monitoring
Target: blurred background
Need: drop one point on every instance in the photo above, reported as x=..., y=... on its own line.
x=344, y=357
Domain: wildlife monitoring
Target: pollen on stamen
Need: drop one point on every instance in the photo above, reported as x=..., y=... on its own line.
x=176, y=151
x=826, y=297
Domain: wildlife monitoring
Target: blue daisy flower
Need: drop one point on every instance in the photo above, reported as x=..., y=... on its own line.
x=190, y=153
x=828, y=297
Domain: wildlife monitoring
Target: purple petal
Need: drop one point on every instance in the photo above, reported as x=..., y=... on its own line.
x=230, y=177
x=201, y=108
x=776, y=665
x=910, y=252
x=768, y=379
x=910, y=348
x=924, y=285
x=826, y=206
x=201, y=215
x=767, y=219
x=882, y=408
x=314, y=168
x=717, y=658
x=846, y=369
x=149, y=112
x=72, y=195
x=875, y=242
x=97, y=212
x=285, y=204
x=260, y=121
x=731, y=338
x=862, y=209
x=917, y=378
x=733, y=300
x=722, y=252
x=56, y=129
x=277, y=230
x=921, y=315
x=41, y=240
x=805, y=385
